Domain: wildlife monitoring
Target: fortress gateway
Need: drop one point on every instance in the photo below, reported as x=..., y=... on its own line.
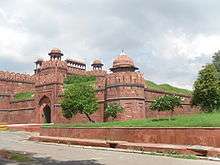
x=123, y=85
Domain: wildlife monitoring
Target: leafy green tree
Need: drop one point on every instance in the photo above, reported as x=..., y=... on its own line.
x=166, y=103
x=206, y=92
x=113, y=109
x=79, y=98
x=216, y=60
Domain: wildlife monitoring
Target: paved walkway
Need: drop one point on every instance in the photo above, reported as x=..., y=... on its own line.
x=52, y=154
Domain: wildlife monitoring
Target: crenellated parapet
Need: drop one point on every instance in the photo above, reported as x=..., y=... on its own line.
x=16, y=77
x=53, y=64
x=125, y=78
x=96, y=73
x=75, y=71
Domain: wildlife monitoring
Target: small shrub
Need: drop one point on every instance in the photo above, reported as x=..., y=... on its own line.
x=113, y=109
x=166, y=103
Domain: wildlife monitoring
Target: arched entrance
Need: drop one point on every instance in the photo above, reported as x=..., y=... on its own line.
x=47, y=114
x=45, y=110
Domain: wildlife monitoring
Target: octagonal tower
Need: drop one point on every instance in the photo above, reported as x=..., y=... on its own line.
x=126, y=87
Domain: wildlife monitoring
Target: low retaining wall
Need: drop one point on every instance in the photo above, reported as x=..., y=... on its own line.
x=183, y=136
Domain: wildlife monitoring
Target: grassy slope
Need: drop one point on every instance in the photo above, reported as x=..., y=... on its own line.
x=23, y=96
x=73, y=80
x=167, y=88
x=197, y=120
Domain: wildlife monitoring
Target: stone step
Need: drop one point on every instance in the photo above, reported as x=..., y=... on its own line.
x=145, y=147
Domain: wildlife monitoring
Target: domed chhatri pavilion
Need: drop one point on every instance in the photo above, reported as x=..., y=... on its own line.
x=122, y=85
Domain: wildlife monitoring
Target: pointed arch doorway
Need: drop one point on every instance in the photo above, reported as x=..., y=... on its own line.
x=45, y=110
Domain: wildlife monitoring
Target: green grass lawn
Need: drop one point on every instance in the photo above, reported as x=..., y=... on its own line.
x=23, y=96
x=196, y=120
x=167, y=88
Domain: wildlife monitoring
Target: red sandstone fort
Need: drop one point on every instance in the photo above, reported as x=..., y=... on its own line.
x=124, y=85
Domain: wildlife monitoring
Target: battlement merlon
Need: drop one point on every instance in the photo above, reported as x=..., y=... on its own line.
x=16, y=77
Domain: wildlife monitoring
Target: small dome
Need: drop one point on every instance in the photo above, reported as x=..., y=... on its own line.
x=56, y=51
x=123, y=61
x=97, y=62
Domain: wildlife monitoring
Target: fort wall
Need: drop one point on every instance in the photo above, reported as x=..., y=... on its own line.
x=11, y=82
x=184, y=109
x=123, y=85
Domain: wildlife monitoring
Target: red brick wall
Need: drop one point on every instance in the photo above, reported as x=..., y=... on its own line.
x=22, y=104
x=17, y=112
x=17, y=116
x=14, y=82
x=186, y=136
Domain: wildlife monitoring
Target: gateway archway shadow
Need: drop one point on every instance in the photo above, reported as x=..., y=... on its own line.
x=47, y=114
x=46, y=111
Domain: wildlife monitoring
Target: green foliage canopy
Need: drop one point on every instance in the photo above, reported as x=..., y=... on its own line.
x=216, y=60
x=113, y=109
x=166, y=103
x=79, y=97
x=206, y=92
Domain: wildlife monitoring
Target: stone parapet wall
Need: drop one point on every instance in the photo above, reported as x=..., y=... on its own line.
x=53, y=64
x=75, y=71
x=16, y=77
x=96, y=73
x=181, y=136
x=125, y=78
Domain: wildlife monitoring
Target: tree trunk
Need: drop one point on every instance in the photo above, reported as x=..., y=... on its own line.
x=158, y=115
x=87, y=115
x=171, y=116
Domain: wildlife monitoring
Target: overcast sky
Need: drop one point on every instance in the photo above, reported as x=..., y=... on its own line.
x=169, y=40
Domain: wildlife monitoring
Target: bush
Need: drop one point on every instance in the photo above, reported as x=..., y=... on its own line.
x=166, y=103
x=206, y=92
x=113, y=109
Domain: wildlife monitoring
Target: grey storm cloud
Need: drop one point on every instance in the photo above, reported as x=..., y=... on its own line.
x=168, y=40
